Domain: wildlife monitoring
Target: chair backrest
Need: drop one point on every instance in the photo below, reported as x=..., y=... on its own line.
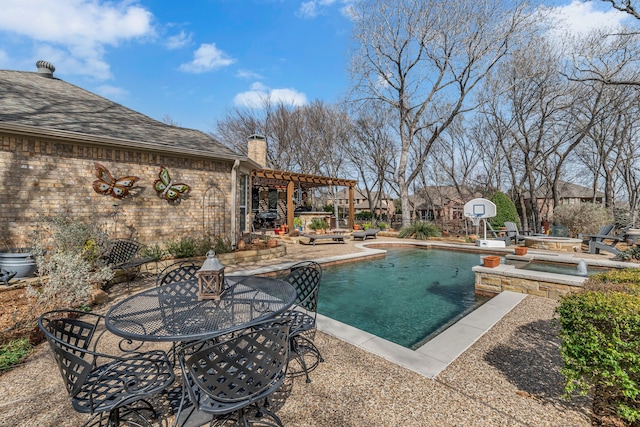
x=305, y=277
x=245, y=367
x=70, y=338
x=606, y=229
x=182, y=271
x=512, y=228
x=121, y=251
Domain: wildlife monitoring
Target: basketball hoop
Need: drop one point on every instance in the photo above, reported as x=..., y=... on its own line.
x=475, y=220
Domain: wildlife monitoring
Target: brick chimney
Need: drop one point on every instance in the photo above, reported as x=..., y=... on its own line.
x=257, y=149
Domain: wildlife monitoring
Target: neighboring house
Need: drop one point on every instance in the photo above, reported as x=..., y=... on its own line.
x=52, y=135
x=382, y=205
x=569, y=193
x=442, y=204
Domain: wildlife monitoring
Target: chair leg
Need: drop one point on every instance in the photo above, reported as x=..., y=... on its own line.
x=301, y=349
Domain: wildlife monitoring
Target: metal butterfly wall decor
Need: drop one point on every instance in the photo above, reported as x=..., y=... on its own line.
x=166, y=188
x=108, y=185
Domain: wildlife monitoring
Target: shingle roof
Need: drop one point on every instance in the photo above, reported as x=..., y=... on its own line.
x=27, y=98
x=568, y=190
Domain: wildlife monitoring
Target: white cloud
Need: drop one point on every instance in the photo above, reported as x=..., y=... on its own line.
x=582, y=17
x=259, y=93
x=179, y=40
x=313, y=8
x=207, y=58
x=79, y=28
x=308, y=9
x=112, y=92
x=248, y=75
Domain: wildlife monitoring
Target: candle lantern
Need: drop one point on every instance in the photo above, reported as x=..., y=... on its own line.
x=210, y=278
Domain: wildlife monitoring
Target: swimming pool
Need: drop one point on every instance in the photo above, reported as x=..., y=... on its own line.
x=407, y=297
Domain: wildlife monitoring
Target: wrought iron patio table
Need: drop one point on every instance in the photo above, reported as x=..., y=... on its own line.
x=172, y=313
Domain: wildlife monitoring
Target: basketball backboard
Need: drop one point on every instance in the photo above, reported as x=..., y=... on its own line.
x=480, y=208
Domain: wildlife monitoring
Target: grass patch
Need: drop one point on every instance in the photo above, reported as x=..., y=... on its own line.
x=11, y=354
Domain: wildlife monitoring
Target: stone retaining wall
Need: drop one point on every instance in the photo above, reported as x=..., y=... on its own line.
x=492, y=281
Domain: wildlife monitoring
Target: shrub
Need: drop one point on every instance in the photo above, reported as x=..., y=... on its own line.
x=383, y=226
x=318, y=224
x=189, y=247
x=152, y=251
x=184, y=247
x=221, y=246
x=600, y=332
x=366, y=225
x=420, y=231
x=67, y=255
x=364, y=216
x=13, y=352
x=631, y=254
x=505, y=210
x=582, y=217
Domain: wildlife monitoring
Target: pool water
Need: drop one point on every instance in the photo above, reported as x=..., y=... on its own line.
x=407, y=297
x=558, y=268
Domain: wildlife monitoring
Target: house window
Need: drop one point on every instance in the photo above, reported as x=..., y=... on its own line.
x=243, y=202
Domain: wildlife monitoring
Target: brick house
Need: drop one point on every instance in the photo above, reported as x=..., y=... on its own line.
x=383, y=204
x=568, y=192
x=52, y=135
x=441, y=203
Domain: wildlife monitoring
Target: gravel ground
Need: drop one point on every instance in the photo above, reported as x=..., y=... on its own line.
x=510, y=377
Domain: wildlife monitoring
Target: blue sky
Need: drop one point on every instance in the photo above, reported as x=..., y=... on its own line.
x=194, y=60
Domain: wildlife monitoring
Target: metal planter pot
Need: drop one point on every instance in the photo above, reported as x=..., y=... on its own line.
x=24, y=264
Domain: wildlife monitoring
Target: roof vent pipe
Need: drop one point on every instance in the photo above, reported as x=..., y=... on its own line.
x=45, y=69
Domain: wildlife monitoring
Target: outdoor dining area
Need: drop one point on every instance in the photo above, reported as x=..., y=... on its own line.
x=214, y=347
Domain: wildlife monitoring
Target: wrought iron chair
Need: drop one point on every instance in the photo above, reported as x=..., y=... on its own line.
x=181, y=271
x=124, y=254
x=170, y=298
x=305, y=277
x=112, y=388
x=234, y=377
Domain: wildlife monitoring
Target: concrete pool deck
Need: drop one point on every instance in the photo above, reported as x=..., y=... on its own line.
x=508, y=375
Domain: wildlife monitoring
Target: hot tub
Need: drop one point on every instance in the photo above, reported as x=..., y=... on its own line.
x=562, y=244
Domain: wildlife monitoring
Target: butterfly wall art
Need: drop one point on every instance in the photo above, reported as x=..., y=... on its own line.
x=109, y=186
x=166, y=188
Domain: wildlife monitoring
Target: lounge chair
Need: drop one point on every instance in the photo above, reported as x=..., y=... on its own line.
x=364, y=235
x=497, y=234
x=597, y=241
x=605, y=230
x=513, y=233
x=313, y=237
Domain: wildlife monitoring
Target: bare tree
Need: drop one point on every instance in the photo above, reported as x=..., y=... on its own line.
x=371, y=152
x=276, y=122
x=168, y=120
x=423, y=59
x=626, y=6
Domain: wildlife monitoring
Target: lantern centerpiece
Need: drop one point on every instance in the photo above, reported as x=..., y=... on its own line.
x=210, y=278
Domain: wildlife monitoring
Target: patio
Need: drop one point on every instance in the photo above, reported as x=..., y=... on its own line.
x=509, y=377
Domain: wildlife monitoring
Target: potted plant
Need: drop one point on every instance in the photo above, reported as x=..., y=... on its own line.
x=297, y=223
x=491, y=261
x=520, y=250
x=318, y=224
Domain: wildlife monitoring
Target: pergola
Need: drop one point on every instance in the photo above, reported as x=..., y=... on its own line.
x=275, y=178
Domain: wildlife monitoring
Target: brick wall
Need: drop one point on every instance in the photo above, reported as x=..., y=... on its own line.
x=48, y=177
